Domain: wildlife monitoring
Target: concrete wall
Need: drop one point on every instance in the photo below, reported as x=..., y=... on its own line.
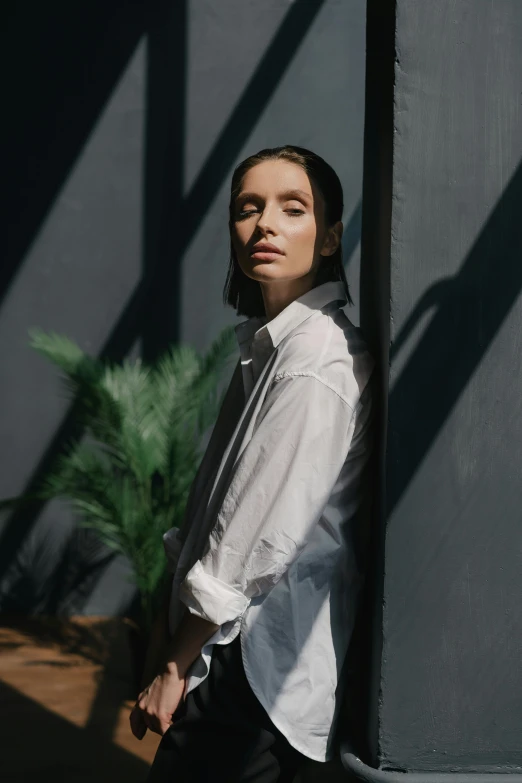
x=451, y=673
x=124, y=123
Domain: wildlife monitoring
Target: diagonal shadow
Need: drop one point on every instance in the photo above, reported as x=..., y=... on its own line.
x=45, y=132
x=193, y=209
x=78, y=566
x=431, y=298
x=163, y=186
x=164, y=156
x=58, y=750
x=472, y=308
x=234, y=135
x=170, y=220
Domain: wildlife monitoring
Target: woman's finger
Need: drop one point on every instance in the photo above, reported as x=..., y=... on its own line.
x=158, y=703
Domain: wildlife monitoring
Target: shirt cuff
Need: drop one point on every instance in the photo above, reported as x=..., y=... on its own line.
x=172, y=545
x=210, y=598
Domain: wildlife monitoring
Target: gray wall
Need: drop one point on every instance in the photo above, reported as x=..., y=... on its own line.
x=451, y=672
x=117, y=216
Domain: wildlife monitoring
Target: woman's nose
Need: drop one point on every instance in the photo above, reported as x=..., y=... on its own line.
x=266, y=222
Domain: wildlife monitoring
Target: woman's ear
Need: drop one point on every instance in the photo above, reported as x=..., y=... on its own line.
x=333, y=239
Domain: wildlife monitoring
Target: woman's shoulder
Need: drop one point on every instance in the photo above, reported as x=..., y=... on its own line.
x=330, y=348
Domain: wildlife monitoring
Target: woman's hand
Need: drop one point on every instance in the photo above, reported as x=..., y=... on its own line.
x=157, y=703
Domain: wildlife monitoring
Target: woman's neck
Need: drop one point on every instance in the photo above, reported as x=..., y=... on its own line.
x=278, y=295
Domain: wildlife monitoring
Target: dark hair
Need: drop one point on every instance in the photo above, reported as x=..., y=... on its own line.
x=240, y=291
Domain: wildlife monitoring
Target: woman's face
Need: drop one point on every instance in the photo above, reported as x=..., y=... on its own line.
x=278, y=204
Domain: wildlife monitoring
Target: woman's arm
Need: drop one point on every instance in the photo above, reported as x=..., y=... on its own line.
x=186, y=644
x=277, y=493
x=304, y=434
x=169, y=659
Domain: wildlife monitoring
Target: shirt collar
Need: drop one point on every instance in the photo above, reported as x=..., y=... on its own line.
x=293, y=314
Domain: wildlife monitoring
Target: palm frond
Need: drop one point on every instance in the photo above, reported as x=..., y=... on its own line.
x=97, y=409
x=130, y=476
x=131, y=388
x=67, y=355
x=201, y=399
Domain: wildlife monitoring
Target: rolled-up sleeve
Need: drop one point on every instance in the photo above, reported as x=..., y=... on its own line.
x=277, y=493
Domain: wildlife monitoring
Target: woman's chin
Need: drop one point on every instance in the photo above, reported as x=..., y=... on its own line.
x=266, y=277
x=266, y=271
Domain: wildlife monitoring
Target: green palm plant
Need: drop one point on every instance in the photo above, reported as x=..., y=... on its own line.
x=130, y=476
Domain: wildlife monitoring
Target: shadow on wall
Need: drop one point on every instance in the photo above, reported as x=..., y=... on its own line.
x=470, y=309
x=46, y=134
x=72, y=60
x=64, y=62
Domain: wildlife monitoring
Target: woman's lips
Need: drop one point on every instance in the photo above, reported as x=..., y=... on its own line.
x=266, y=255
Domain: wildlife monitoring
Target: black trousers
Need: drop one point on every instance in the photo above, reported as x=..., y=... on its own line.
x=222, y=734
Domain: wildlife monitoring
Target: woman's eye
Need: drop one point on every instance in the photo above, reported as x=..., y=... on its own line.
x=293, y=212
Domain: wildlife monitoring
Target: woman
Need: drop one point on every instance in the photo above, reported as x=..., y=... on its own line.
x=268, y=562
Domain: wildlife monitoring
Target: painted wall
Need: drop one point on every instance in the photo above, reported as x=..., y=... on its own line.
x=124, y=123
x=451, y=672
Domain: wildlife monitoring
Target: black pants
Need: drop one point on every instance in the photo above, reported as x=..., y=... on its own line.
x=222, y=734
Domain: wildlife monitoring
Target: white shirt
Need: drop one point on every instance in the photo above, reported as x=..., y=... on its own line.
x=271, y=545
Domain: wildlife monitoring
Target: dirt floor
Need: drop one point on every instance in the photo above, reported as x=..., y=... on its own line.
x=65, y=695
